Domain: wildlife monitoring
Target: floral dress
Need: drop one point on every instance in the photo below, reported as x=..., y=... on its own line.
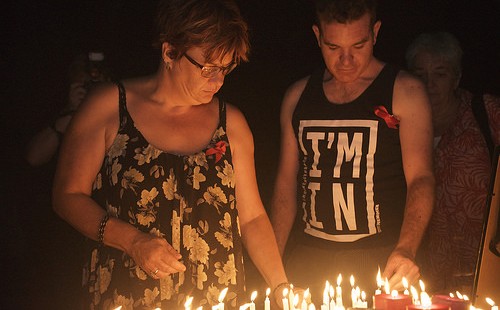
x=187, y=199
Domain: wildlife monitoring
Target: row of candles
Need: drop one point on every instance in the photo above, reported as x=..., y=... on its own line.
x=383, y=299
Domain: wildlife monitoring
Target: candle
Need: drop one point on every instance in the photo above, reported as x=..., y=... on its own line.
x=426, y=304
x=414, y=295
x=118, y=308
x=245, y=306
x=354, y=295
x=285, y=299
x=304, y=306
x=379, y=283
x=332, y=297
x=252, y=299
x=221, y=298
x=187, y=304
x=363, y=303
x=397, y=301
x=405, y=285
x=338, y=300
x=454, y=302
x=491, y=303
x=295, y=303
x=267, y=302
x=326, y=299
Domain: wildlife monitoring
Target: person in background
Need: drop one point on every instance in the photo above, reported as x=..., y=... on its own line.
x=462, y=162
x=356, y=156
x=158, y=173
x=85, y=71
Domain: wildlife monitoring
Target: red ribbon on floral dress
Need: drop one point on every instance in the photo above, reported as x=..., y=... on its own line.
x=219, y=149
x=390, y=120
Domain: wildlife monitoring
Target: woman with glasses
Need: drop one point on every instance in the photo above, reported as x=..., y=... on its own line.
x=159, y=174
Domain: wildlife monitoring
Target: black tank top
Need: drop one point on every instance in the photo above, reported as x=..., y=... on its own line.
x=351, y=185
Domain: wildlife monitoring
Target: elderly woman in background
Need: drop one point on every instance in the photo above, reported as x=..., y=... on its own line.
x=462, y=163
x=158, y=173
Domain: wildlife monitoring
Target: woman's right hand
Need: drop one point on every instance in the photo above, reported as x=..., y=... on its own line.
x=155, y=256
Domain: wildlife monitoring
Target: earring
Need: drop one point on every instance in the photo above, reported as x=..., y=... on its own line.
x=167, y=65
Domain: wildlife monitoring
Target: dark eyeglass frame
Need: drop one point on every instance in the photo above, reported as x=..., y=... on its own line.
x=211, y=71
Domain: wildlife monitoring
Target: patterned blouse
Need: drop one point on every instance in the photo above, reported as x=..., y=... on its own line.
x=462, y=170
x=187, y=199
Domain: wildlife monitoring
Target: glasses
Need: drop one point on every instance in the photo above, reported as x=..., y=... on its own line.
x=211, y=71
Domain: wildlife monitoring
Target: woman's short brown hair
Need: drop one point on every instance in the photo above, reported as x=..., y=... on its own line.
x=215, y=25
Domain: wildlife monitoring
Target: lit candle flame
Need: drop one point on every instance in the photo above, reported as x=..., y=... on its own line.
x=379, y=279
x=223, y=294
x=394, y=293
x=405, y=283
x=363, y=296
x=331, y=292
x=451, y=295
x=268, y=291
x=425, y=299
x=459, y=295
x=422, y=285
x=118, y=308
x=188, y=302
x=386, y=286
x=254, y=295
x=285, y=292
x=351, y=279
x=466, y=297
x=306, y=293
x=295, y=300
x=490, y=301
x=339, y=279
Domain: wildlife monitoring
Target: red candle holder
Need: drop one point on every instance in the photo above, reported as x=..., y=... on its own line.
x=379, y=300
x=389, y=302
x=429, y=307
x=454, y=302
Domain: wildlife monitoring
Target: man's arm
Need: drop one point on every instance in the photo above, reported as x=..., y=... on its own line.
x=284, y=201
x=411, y=106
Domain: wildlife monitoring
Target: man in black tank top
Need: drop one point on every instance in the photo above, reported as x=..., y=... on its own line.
x=355, y=169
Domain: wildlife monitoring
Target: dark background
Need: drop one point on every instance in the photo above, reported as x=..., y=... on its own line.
x=40, y=260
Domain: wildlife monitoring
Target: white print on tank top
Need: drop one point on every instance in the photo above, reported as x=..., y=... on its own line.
x=337, y=178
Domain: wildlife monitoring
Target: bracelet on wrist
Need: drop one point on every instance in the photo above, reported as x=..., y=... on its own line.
x=102, y=227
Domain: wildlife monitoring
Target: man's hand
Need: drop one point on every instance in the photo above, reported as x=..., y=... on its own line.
x=400, y=264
